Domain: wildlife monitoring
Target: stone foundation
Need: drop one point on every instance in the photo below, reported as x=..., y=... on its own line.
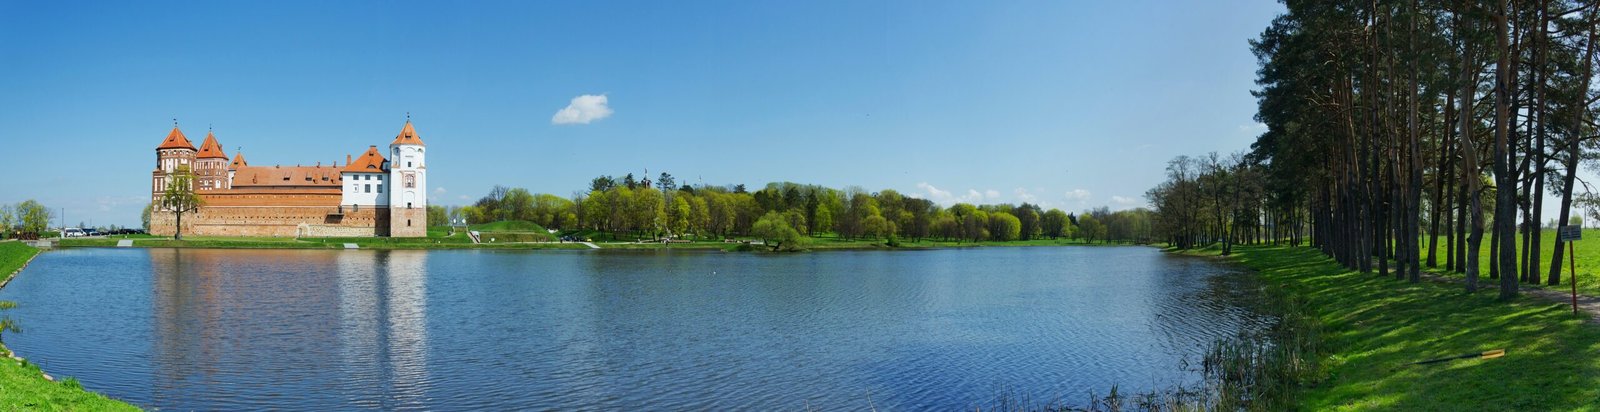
x=408, y=222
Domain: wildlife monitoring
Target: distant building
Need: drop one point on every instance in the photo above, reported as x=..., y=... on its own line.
x=371, y=195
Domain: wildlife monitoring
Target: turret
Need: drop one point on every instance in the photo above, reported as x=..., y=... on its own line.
x=174, y=151
x=408, y=174
x=211, y=165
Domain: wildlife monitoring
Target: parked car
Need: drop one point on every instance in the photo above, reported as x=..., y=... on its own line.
x=72, y=232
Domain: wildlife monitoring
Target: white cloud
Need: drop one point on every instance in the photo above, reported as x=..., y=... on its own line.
x=935, y=193
x=1078, y=195
x=1023, y=195
x=463, y=197
x=583, y=109
x=991, y=193
x=947, y=197
x=1124, y=201
x=439, y=190
x=1253, y=128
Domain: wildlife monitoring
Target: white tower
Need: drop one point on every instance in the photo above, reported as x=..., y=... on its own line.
x=408, y=179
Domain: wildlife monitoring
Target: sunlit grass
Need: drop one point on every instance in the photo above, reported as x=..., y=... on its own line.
x=1377, y=326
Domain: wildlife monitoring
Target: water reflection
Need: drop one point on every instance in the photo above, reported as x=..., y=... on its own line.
x=515, y=330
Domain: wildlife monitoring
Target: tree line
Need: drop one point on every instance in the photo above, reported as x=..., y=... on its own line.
x=1396, y=127
x=641, y=209
x=28, y=216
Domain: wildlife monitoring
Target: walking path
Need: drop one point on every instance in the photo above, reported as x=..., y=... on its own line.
x=1589, y=305
x=591, y=245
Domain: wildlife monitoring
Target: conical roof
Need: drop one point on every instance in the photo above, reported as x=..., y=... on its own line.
x=175, y=140
x=238, y=161
x=210, y=149
x=408, y=135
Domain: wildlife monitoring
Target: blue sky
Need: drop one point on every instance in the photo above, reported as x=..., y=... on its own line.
x=1068, y=104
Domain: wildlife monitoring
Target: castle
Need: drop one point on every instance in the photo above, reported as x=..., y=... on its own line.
x=369, y=196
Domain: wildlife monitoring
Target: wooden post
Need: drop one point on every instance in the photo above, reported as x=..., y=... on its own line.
x=1570, y=234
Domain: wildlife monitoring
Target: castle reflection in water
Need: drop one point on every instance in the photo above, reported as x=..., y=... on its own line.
x=203, y=316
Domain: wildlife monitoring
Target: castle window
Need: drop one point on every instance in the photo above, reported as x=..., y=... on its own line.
x=369, y=188
x=411, y=181
x=380, y=188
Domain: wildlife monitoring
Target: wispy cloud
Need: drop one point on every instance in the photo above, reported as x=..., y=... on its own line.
x=1078, y=195
x=1253, y=128
x=947, y=197
x=582, y=110
x=1125, y=201
x=1025, y=196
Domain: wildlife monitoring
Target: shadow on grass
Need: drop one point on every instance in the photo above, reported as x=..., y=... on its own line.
x=1377, y=325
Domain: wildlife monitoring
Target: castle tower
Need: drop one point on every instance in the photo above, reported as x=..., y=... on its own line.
x=211, y=165
x=173, y=152
x=233, y=167
x=408, y=177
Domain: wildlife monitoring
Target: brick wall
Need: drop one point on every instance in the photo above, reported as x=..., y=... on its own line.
x=277, y=221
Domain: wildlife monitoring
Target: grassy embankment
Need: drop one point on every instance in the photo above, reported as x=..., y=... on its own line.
x=1588, y=260
x=22, y=385
x=1374, y=327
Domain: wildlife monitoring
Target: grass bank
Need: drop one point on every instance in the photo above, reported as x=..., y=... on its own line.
x=22, y=384
x=1374, y=327
x=1588, y=251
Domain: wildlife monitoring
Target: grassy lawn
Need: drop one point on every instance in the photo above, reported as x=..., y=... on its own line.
x=22, y=387
x=1588, y=259
x=1376, y=326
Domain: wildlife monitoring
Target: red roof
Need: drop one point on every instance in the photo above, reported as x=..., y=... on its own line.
x=287, y=176
x=175, y=140
x=369, y=162
x=238, y=161
x=210, y=149
x=408, y=135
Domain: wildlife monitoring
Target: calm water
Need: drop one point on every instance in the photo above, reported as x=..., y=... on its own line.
x=935, y=329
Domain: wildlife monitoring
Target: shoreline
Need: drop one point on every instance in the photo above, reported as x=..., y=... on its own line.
x=423, y=244
x=39, y=389
x=1372, y=328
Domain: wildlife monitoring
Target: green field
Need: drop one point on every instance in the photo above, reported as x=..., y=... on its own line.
x=1588, y=260
x=22, y=386
x=1377, y=325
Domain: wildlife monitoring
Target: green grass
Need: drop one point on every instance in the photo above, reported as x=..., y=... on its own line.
x=13, y=255
x=1588, y=252
x=509, y=226
x=22, y=386
x=1376, y=326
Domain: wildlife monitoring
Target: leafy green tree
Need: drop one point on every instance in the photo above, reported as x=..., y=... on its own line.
x=144, y=217
x=438, y=215
x=1028, y=217
x=776, y=232
x=8, y=220
x=1091, y=227
x=1055, y=223
x=180, y=198
x=678, y=214
x=1004, y=227
x=34, y=216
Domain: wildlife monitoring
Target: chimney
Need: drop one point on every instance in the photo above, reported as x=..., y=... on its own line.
x=347, y=158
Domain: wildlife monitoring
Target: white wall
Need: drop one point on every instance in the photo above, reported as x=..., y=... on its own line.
x=363, y=189
x=409, y=159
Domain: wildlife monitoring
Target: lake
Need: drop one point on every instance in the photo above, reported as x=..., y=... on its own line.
x=620, y=330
